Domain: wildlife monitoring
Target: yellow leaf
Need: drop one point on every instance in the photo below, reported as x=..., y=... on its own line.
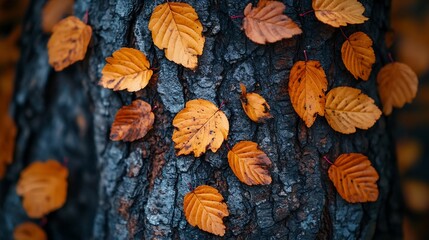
x=339, y=12
x=29, y=231
x=249, y=163
x=307, y=86
x=43, y=186
x=204, y=208
x=397, y=85
x=199, y=126
x=348, y=108
x=127, y=69
x=68, y=43
x=54, y=11
x=358, y=55
x=7, y=142
x=175, y=27
x=267, y=24
x=254, y=105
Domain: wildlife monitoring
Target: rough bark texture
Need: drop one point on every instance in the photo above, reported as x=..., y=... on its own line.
x=135, y=190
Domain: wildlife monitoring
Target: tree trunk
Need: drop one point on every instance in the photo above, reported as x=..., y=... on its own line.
x=135, y=190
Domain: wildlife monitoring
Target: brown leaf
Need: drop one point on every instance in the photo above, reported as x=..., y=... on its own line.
x=254, y=105
x=132, y=122
x=29, y=231
x=54, y=11
x=358, y=55
x=7, y=142
x=339, y=12
x=416, y=194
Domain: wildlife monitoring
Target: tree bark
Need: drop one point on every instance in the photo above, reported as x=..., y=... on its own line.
x=135, y=190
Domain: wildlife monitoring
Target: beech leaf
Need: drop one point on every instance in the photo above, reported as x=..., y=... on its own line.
x=54, y=11
x=339, y=12
x=29, y=231
x=254, y=105
x=358, y=55
x=7, y=142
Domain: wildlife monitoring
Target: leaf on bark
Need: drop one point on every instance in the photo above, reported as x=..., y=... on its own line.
x=254, y=105
x=54, y=11
x=354, y=178
x=68, y=43
x=132, y=122
x=204, y=208
x=43, y=186
x=397, y=85
x=348, y=108
x=249, y=163
x=339, y=12
x=7, y=142
x=127, y=69
x=29, y=231
x=267, y=24
x=199, y=126
x=307, y=86
x=175, y=27
x=358, y=55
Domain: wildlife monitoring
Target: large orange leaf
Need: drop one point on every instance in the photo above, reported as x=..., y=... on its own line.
x=358, y=55
x=307, y=86
x=127, y=69
x=348, y=108
x=267, y=24
x=43, y=186
x=29, y=231
x=254, y=105
x=339, y=12
x=68, y=43
x=199, y=126
x=7, y=142
x=204, y=208
x=132, y=122
x=175, y=27
x=54, y=11
x=397, y=85
x=354, y=178
x=249, y=163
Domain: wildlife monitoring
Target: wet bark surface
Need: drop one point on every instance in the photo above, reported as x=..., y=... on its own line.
x=135, y=190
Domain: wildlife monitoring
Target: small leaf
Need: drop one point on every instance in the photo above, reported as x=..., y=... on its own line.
x=29, y=231
x=68, y=43
x=54, y=11
x=204, y=208
x=175, y=27
x=397, y=85
x=339, y=12
x=199, y=126
x=132, y=122
x=348, y=108
x=249, y=163
x=254, y=105
x=43, y=186
x=7, y=142
x=307, y=86
x=267, y=24
x=358, y=55
x=127, y=69
x=354, y=178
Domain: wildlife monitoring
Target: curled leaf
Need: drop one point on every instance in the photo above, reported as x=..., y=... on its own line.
x=358, y=55
x=254, y=105
x=339, y=12
x=29, y=231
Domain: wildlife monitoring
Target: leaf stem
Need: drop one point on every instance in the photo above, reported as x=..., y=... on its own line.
x=237, y=16
x=227, y=146
x=342, y=32
x=305, y=13
x=326, y=159
x=222, y=104
x=390, y=57
x=305, y=55
x=43, y=221
x=85, y=17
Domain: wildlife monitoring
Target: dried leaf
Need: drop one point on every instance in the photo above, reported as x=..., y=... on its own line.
x=254, y=105
x=175, y=27
x=54, y=11
x=9, y=48
x=204, y=208
x=348, y=108
x=307, y=86
x=249, y=163
x=416, y=194
x=29, y=231
x=358, y=55
x=132, y=122
x=68, y=43
x=7, y=142
x=199, y=126
x=408, y=152
x=43, y=186
x=397, y=85
x=354, y=178
x=339, y=12
x=127, y=69
x=267, y=24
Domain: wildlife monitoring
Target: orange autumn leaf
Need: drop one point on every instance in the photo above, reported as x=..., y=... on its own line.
x=397, y=85
x=358, y=55
x=307, y=86
x=348, y=108
x=249, y=163
x=29, y=231
x=354, y=178
x=175, y=27
x=254, y=105
x=267, y=24
x=127, y=69
x=416, y=195
x=43, y=186
x=68, y=43
x=54, y=11
x=204, y=208
x=132, y=122
x=7, y=142
x=339, y=12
